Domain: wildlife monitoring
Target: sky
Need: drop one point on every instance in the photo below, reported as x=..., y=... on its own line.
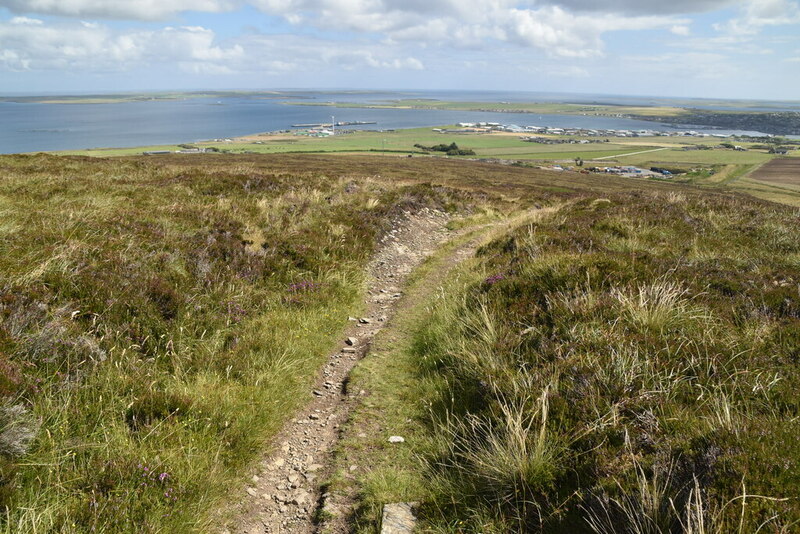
x=748, y=49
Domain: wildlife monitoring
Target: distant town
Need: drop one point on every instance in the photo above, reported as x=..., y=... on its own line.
x=486, y=127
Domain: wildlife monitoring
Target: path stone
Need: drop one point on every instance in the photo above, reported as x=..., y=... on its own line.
x=301, y=498
x=398, y=518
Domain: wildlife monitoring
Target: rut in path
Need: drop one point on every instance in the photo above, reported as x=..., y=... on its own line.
x=284, y=495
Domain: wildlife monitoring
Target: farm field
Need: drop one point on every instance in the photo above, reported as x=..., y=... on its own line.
x=780, y=171
x=489, y=145
x=713, y=167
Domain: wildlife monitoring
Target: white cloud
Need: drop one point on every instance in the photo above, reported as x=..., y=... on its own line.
x=563, y=34
x=309, y=54
x=494, y=43
x=559, y=28
x=116, y=9
x=95, y=47
x=645, y=7
x=687, y=67
x=364, y=15
x=201, y=68
x=739, y=45
x=683, y=31
x=466, y=23
x=25, y=20
x=757, y=14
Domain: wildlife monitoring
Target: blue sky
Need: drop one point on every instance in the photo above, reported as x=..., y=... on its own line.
x=685, y=48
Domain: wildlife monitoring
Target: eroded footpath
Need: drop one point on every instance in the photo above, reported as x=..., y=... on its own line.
x=284, y=492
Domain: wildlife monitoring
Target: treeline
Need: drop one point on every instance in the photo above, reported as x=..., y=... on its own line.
x=451, y=149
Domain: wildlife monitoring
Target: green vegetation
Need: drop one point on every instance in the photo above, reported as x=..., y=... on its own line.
x=704, y=163
x=158, y=322
x=451, y=149
x=618, y=364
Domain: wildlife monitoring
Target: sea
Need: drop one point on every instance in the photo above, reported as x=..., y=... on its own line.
x=34, y=127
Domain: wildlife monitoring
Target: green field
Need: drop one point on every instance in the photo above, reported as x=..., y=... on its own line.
x=715, y=167
x=489, y=145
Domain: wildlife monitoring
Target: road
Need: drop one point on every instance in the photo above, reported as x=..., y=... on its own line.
x=630, y=154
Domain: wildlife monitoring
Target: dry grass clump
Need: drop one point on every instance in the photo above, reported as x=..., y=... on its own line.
x=658, y=306
x=633, y=390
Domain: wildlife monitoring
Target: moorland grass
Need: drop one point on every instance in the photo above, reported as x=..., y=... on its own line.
x=159, y=323
x=627, y=364
x=161, y=317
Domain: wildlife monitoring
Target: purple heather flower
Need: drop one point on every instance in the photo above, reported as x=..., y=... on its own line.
x=495, y=278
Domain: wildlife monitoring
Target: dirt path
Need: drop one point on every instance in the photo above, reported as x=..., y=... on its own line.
x=630, y=154
x=342, y=499
x=284, y=494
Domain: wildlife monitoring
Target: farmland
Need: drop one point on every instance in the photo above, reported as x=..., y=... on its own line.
x=784, y=171
x=703, y=160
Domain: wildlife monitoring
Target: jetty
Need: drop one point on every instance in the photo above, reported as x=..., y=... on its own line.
x=328, y=125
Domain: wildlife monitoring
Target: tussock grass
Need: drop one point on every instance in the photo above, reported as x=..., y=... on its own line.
x=588, y=387
x=658, y=306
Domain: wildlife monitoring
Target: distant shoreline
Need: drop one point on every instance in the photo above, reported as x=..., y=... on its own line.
x=769, y=122
x=75, y=122
x=144, y=97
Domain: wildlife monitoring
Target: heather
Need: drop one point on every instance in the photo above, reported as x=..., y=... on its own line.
x=158, y=323
x=622, y=364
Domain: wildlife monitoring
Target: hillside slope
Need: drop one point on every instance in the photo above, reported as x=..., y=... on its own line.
x=628, y=363
x=161, y=319
x=159, y=323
